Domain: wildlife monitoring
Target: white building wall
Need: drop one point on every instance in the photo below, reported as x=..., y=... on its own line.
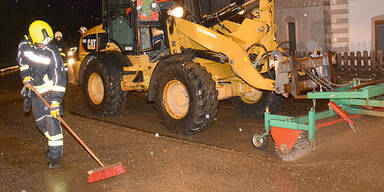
x=310, y=32
x=361, y=14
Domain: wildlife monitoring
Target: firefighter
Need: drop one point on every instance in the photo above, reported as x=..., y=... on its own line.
x=41, y=66
x=62, y=46
x=83, y=30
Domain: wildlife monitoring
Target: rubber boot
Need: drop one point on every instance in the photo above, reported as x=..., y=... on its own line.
x=53, y=163
x=54, y=154
x=47, y=154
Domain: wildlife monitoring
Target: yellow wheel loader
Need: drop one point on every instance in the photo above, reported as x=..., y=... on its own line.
x=187, y=64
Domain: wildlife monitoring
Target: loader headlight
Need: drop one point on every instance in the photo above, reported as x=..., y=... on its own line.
x=71, y=61
x=70, y=53
x=176, y=12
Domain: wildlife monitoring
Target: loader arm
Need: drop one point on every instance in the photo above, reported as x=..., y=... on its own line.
x=216, y=42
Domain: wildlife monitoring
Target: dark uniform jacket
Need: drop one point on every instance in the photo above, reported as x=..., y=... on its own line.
x=62, y=46
x=44, y=68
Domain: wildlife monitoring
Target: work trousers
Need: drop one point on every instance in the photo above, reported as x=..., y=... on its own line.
x=49, y=126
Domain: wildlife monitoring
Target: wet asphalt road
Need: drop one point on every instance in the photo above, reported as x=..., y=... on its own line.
x=219, y=159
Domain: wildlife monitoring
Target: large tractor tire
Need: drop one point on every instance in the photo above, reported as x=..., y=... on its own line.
x=102, y=89
x=186, y=98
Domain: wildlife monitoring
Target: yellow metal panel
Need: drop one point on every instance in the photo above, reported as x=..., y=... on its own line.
x=139, y=63
x=127, y=84
x=232, y=26
x=267, y=9
x=239, y=61
x=111, y=47
x=94, y=30
x=249, y=32
x=218, y=70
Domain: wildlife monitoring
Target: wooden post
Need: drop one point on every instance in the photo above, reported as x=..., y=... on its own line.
x=352, y=62
x=359, y=63
x=345, y=62
x=372, y=59
x=332, y=67
x=365, y=59
x=380, y=58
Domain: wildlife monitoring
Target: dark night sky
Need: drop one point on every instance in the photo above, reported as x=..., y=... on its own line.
x=66, y=16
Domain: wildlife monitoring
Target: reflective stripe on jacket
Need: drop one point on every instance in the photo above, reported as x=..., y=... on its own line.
x=44, y=68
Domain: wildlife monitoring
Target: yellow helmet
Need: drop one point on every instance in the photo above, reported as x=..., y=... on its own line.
x=40, y=32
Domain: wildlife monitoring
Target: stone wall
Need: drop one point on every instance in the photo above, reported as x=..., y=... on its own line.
x=279, y=4
x=338, y=28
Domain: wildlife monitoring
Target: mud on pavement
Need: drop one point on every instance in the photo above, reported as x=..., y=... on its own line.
x=343, y=160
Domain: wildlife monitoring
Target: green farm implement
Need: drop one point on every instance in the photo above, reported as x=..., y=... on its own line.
x=296, y=136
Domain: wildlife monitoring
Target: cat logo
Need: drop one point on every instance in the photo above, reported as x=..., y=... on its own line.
x=89, y=43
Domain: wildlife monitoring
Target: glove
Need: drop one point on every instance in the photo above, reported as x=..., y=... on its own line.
x=28, y=85
x=26, y=94
x=27, y=82
x=55, y=109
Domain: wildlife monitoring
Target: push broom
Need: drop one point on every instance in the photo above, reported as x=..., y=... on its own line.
x=101, y=173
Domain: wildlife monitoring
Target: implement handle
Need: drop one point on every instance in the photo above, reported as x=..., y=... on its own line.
x=69, y=129
x=342, y=114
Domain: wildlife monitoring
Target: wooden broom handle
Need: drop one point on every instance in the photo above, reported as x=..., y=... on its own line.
x=69, y=129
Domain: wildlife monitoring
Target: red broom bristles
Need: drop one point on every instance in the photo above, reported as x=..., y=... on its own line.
x=105, y=172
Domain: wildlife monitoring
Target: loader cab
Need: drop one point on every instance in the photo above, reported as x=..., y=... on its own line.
x=133, y=25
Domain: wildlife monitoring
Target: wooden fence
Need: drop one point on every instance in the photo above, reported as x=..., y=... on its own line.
x=364, y=65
